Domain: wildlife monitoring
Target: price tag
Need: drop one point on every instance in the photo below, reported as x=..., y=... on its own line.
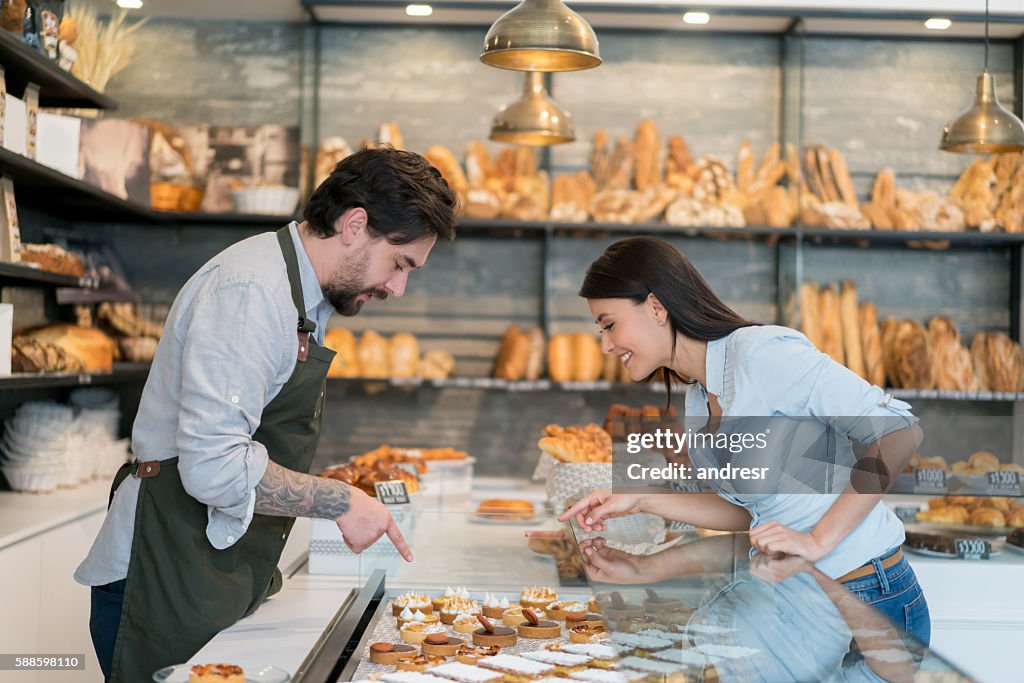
x=906, y=513
x=972, y=549
x=685, y=486
x=1004, y=482
x=391, y=492
x=680, y=526
x=929, y=480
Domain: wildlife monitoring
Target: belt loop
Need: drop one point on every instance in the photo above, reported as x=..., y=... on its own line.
x=883, y=580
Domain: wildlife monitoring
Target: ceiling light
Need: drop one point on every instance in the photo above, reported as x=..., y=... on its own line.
x=533, y=119
x=985, y=127
x=419, y=10
x=541, y=35
x=937, y=24
x=696, y=18
x=129, y=4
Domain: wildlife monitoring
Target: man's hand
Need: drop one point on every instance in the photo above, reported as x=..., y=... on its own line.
x=772, y=537
x=366, y=521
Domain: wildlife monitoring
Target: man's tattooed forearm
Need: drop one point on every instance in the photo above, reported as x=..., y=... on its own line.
x=284, y=493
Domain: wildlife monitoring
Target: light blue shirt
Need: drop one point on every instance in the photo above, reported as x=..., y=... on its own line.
x=228, y=347
x=775, y=371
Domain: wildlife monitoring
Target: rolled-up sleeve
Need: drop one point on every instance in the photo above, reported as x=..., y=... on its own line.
x=792, y=374
x=231, y=357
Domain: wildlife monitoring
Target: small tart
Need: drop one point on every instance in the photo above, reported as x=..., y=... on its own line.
x=584, y=632
x=537, y=597
x=583, y=619
x=466, y=624
x=513, y=616
x=414, y=601
x=502, y=636
x=390, y=653
x=497, y=612
x=656, y=605
x=635, y=624
x=427, y=619
x=471, y=654
x=446, y=649
x=559, y=611
x=415, y=632
x=626, y=611
x=542, y=629
x=216, y=673
x=419, y=663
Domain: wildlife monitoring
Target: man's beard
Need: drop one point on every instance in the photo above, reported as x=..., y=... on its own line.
x=346, y=286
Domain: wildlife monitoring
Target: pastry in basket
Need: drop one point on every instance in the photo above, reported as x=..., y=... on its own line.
x=390, y=653
x=535, y=627
x=414, y=601
x=441, y=645
x=493, y=608
x=216, y=673
x=489, y=634
x=455, y=606
x=471, y=654
x=577, y=444
x=537, y=597
x=419, y=663
x=501, y=509
x=1015, y=518
x=415, y=632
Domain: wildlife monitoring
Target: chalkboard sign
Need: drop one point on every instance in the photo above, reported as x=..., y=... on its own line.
x=391, y=492
x=929, y=480
x=972, y=549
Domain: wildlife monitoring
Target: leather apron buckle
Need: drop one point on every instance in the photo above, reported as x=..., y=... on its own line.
x=144, y=470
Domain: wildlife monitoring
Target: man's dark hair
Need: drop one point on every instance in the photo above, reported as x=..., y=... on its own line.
x=405, y=198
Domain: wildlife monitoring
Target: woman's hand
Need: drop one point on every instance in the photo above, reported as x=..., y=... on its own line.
x=597, y=506
x=777, y=568
x=603, y=563
x=772, y=537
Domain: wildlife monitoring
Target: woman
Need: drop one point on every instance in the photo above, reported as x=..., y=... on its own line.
x=659, y=316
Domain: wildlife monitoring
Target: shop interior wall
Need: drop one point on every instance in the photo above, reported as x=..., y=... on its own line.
x=882, y=102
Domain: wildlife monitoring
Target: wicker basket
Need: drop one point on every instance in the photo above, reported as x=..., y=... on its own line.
x=166, y=196
x=191, y=198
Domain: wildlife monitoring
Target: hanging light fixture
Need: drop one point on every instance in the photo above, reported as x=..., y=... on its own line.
x=533, y=119
x=986, y=127
x=541, y=35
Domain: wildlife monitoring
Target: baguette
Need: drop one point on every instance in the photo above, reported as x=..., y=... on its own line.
x=871, y=343
x=852, y=349
x=831, y=324
x=810, y=313
x=841, y=173
x=560, y=366
x=888, y=335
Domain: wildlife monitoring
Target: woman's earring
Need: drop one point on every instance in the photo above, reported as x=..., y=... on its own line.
x=661, y=323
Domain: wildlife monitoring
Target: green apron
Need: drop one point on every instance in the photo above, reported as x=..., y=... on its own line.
x=181, y=591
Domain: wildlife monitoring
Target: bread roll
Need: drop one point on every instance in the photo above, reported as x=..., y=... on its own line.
x=513, y=355
x=983, y=460
x=831, y=324
x=535, y=364
x=912, y=354
x=985, y=516
x=587, y=361
x=849, y=318
x=405, y=355
x=346, y=359
x=810, y=313
x=374, y=355
x=871, y=343
x=437, y=364
x=560, y=366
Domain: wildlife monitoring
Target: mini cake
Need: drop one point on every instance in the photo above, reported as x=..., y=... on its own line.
x=636, y=624
x=489, y=634
x=453, y=607
x=583, y=619
x=669, y=672
x=513, y=616
x=599, y=676
x=584, y=633
x=564, y=662
x=465, y=673
x=656, y=603
x=419, y=663
x=559, y=611
x=516, y=667
x=458, y=592
x=465, y=623
x=494, y=608
x=441, y=645
x=537, y=597
x=390, y=653
x=414, y=601
x=535, y=628
x=408, y=616
x=602, y=655
x=471, y=654
x=407, y=677
x=641, y=644
x=216, y=673
x=618, y=608
x=416, y=631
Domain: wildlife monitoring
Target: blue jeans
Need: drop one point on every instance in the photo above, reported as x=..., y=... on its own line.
x=104, y=619
x=895, y=593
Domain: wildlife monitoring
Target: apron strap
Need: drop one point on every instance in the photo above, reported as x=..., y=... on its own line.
x=291, y=260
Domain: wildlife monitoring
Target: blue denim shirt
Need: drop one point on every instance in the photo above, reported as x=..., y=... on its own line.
x=775, y=371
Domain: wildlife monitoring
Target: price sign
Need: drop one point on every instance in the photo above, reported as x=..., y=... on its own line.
x=972, y=549
x=686, y=486
x=1004, y=482
x=391, y=492
x=906, y=513
x=929, y=480
x=680, y=526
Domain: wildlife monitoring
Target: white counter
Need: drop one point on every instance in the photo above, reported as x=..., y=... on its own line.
x=24, y=515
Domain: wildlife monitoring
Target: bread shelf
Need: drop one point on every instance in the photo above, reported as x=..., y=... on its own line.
x=122, y=373
x=241, y=220
x=973, y=396
x=17, y=273
x=57, y=88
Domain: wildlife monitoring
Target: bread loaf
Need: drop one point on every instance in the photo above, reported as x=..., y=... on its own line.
x=443, y=160
x=888, y=335
x=852, y=349
x=831, y=324
x=513, y=355
x=374, y=355
x=1003, y=362
x=560, y=364
x=979, y=357
x=405, y=355
x=89, y=346
x=810, y=313
x=437, y=364
x=346, y=360
x=647, y=143
x=587, y=361
x=610, y=369
x=912, y=355
x=535, y=364
x=871, y=343
x=954, y=369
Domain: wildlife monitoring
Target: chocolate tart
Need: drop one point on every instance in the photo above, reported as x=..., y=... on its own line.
x=584, y=619
x=390, y=653
x=502, y=636
x=542, y=629
x=448, y=648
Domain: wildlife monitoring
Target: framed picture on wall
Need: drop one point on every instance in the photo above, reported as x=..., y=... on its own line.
x=115, y=158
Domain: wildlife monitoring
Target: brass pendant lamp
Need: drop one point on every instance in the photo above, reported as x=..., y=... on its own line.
x=534, y=119
x=985, y=127
x=541, y=35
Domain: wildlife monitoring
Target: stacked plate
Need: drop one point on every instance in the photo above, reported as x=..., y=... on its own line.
x=34, y=453
x=97, y=450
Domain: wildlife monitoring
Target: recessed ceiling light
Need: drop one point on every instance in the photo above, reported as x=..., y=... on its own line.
x=419, y=10
x=129, y=4
x=696, y=17
x=937, y=24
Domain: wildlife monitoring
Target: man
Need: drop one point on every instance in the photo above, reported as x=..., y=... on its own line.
x=230, y=416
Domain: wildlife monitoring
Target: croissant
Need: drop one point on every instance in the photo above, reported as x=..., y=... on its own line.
x=987, y=517
x=949, y=514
